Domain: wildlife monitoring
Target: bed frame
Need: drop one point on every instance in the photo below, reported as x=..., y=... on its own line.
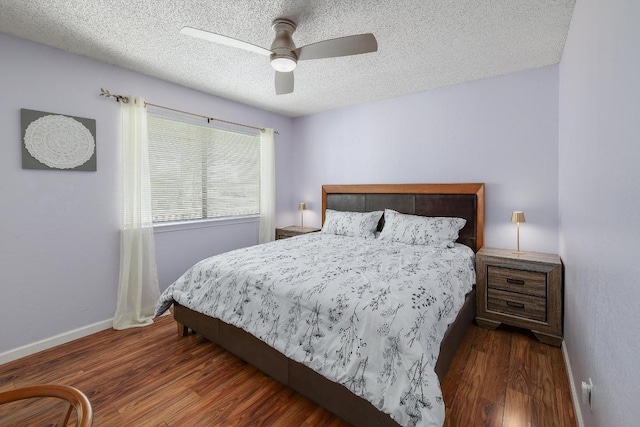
x=461, y=200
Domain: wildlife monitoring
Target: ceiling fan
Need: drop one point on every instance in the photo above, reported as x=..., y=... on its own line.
x=284, y=54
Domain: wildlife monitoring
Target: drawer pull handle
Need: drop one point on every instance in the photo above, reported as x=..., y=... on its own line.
x=515, y=281
x=515, y=304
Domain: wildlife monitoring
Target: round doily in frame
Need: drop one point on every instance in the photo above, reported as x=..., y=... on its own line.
x=59, y=142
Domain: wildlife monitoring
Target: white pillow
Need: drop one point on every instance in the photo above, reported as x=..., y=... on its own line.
x=354, y=224
x=440, y=231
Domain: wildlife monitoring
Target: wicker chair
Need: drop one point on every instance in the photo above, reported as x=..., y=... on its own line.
x=73, y=396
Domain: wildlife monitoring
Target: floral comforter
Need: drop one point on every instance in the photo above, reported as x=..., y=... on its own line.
x=365, y=313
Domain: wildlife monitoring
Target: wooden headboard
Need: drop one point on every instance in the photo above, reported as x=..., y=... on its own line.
x=458, y=200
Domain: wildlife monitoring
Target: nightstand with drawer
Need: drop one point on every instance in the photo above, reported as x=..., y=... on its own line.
x=520, y=289
x=286, y=232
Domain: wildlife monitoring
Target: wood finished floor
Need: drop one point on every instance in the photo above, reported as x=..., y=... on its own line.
x=151, y=377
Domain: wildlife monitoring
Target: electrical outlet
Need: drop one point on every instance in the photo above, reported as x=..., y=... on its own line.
x=587, y=393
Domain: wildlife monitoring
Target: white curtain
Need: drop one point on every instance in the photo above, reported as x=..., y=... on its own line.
x=138, y=289
x=267, y=231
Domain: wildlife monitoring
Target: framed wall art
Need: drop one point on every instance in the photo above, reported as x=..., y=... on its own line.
x=55, y=141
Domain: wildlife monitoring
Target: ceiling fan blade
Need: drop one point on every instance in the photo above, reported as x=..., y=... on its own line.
x=217, y=38
x=342, y=46
x=284, y=83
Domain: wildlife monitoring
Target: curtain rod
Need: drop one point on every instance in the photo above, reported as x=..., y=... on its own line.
x=125, y=99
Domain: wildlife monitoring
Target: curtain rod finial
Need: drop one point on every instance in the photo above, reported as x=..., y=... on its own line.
x=107, y=94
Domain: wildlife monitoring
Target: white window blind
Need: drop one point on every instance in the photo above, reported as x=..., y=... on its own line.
x=200, y=172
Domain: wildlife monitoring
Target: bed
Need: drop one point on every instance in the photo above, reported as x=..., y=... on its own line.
x=346, y=400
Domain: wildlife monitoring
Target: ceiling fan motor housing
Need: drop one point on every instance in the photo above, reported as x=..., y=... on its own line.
x=283, y=46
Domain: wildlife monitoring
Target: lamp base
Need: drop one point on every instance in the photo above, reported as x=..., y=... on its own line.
x=519, y=252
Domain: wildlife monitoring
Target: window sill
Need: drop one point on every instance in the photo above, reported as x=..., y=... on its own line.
x=165, y=227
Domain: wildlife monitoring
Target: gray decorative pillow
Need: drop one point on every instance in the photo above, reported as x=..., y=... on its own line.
x=437, y=231
x=354, y=224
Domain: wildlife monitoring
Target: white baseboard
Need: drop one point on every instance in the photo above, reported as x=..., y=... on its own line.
x=576, y=397
x=47, y=343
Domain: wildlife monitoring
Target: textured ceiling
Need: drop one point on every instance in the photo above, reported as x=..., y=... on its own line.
x=422, y=44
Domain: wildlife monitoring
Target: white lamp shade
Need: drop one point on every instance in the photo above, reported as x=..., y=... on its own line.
x=517, y=216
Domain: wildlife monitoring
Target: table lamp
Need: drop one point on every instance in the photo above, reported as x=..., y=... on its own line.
x=518, y=217
x=302, y=207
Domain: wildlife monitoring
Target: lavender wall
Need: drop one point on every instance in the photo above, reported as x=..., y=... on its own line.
x=600, y=204
x=59, y=230
x=501, y=131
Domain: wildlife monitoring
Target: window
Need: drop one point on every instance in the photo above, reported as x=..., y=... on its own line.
x=200, y=172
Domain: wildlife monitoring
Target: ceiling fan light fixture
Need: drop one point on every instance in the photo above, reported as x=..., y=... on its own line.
x=284, y=55
x=283, y=64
